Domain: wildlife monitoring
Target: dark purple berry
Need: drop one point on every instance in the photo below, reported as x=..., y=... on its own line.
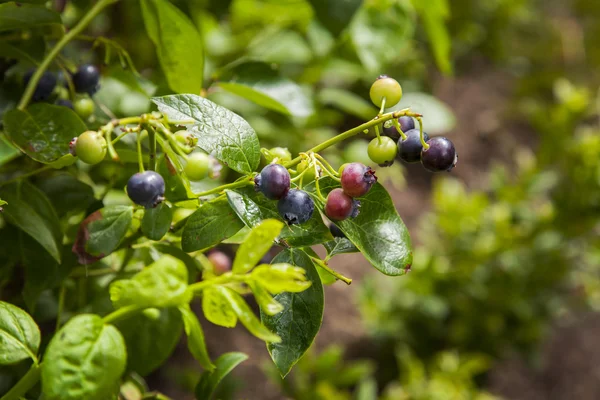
x=45, y=85
x=340, y=206
x=146, y=188
x=273, y=181
x=64, y=103
x=336, y=232
x=406, y=124
x=440, y=156
x=296, y=207
x=409, y=149
x=87, y=79
x=357, y=179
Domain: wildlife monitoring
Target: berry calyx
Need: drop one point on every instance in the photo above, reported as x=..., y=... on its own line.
x=296, y=207
x=87, y=79
x=406, y=124
x=197, y=166
x=357, y=179
x=84, y=107
x=409, y=149
x=440, y=156
x=340, y=206
x=274, y=181
x=185, y=138
x=146, y=189
x=382, y=151
x=388, y=88
x=90, y=147
x=45, y=85
x=336, y=232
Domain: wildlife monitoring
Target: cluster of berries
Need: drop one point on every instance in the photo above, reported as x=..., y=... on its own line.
x=356, y=180
x=294, y=205
x=86, y=81
x=439, y=155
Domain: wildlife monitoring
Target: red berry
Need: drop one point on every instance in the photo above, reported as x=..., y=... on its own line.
x=340, y=206
x=220, y=261
x=357, y=179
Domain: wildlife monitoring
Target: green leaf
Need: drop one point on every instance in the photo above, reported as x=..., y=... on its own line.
x=177, y=188
x=106, y=232
x=246, y=316
x=150, y=340
x=19, y=335
x=348, y=102
x=196, y=343
x=339, y=246
x=281, y=277
x=335, y=14
x=30, y=50
x=84, y=360
x=378, y=231
x=259, y=83
x=209, y=225
x=30, y=210
x=25, y=16
x=210, y=380
x=264, y=299
x=8, y=152
x=163, y=283
x=434, y=15
x=157, y=221
x=43, y=131
x=179, y=45
x=216, y=308
x=67, y=194
x=440, y=117
x=253, y=207
x=219, y=131
x=256, y=245
x=299, y=322
x=192, y=264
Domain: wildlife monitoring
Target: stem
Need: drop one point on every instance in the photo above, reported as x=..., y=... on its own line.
x=152, y=148
x=108, y=129
x=27, y=175
x=382, y=109
x=221, y=280
x=399, y=129
x=423, y=143
x=77, y=29
x=243, y=182
x=25, y=383
x=121, y=313
x=326, y=267
x=139, y=150
x=378, y=135
x=61, y=305
x=325, y=164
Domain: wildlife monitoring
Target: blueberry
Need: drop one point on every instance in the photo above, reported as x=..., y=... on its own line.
x=406, y=124
x=87, y=79
x=336, y=232
x=409, y=150
x=146, y=189
x=357, y=179
x=296, y=207
x=45, y=85
x=441, y=155
x=64, y=103
x=273, y=181
x=340, y=206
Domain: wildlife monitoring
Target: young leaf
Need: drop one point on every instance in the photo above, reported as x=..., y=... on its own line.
x=253, y=207
x=178, y=45
x=157, y=221
x=299, y=322
x=219, y=131
x=259, y=83
x=19, y=335
x=339, y=246
x=378, y=231
x=31, y=211
x=84, y=360
x=210, y=380
x=106, y=229
x=216, y=308
x=281, y=277
x=67, y=194
x=335, y=14
x=161, y=284
x=150, y=340
x=196, y=343
x=265, y=300
x=43, y=131
x=24, y=16
x=256, y=245
x=246, y=316
x=209, y=225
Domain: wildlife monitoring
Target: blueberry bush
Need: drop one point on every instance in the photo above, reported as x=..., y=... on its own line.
x=117, y=182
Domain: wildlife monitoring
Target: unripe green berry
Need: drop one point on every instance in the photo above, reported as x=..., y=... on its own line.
x=197, y=166
x=388, y=88
x=91, y=147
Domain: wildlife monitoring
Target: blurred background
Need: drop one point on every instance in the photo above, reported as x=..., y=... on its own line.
x=503, y=295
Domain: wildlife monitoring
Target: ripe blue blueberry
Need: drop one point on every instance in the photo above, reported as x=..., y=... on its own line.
x=296, y=207
x=273, y=181
x=406, y=124
x=440, y=156
x=409, y=149
x=336, y=232
x=87, y=79
x=146, y=189
x=45, y=85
